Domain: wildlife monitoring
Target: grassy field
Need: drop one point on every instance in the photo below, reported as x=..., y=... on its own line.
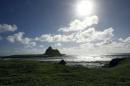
x=32, y=73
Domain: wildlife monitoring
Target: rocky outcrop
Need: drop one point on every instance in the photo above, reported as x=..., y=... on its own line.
x=52, y=52
x=62, y=62
x=115, y=62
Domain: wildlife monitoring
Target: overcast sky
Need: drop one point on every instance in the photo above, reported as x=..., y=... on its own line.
x=30, y=26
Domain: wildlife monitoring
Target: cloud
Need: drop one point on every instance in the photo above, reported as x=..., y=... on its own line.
x=41, y=46
x=54, y=38
x=86, y=36
x=7, y=27
x=125, y=42
x=92, y=36
x=45, y=37
x=58, y=45
x=19, y=37
x=94, y=49
x=78, y=25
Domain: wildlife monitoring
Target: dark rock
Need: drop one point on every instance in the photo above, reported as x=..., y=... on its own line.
x=62, y=62
x=52, y=52
x=115, y=62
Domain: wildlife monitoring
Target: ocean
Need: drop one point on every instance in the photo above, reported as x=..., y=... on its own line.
x=88, y=61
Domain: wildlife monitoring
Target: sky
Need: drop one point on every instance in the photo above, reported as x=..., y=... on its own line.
x=30, y=26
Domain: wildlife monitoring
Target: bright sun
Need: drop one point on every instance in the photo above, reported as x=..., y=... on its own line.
x=84, y=7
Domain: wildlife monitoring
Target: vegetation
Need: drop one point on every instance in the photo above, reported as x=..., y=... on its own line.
x=34, y=73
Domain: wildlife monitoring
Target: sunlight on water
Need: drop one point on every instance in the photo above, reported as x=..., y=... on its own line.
x=86, y=58
x=88, y=61
x=92, y=58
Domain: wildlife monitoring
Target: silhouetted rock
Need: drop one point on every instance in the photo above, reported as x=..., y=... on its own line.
x=52, y=52
x=115, y=62
x=62, y=62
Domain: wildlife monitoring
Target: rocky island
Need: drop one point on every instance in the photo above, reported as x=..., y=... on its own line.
x=52, y=52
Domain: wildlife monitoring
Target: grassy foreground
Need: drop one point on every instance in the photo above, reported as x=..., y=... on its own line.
x=32, y=73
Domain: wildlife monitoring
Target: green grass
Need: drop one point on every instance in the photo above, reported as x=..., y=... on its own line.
x=33, y=73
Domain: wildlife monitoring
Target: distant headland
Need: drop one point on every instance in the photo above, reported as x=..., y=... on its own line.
x=49, y=52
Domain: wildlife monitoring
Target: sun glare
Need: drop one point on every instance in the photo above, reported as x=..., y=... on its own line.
x=84, y=7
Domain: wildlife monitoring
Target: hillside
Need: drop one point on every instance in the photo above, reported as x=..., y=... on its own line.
x=34, y=73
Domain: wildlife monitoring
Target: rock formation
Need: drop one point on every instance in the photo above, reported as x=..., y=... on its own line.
x=62, y=62
x=115, y=62
x=52, y=52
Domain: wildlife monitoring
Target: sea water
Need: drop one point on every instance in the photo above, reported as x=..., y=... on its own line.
x=73, y=60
